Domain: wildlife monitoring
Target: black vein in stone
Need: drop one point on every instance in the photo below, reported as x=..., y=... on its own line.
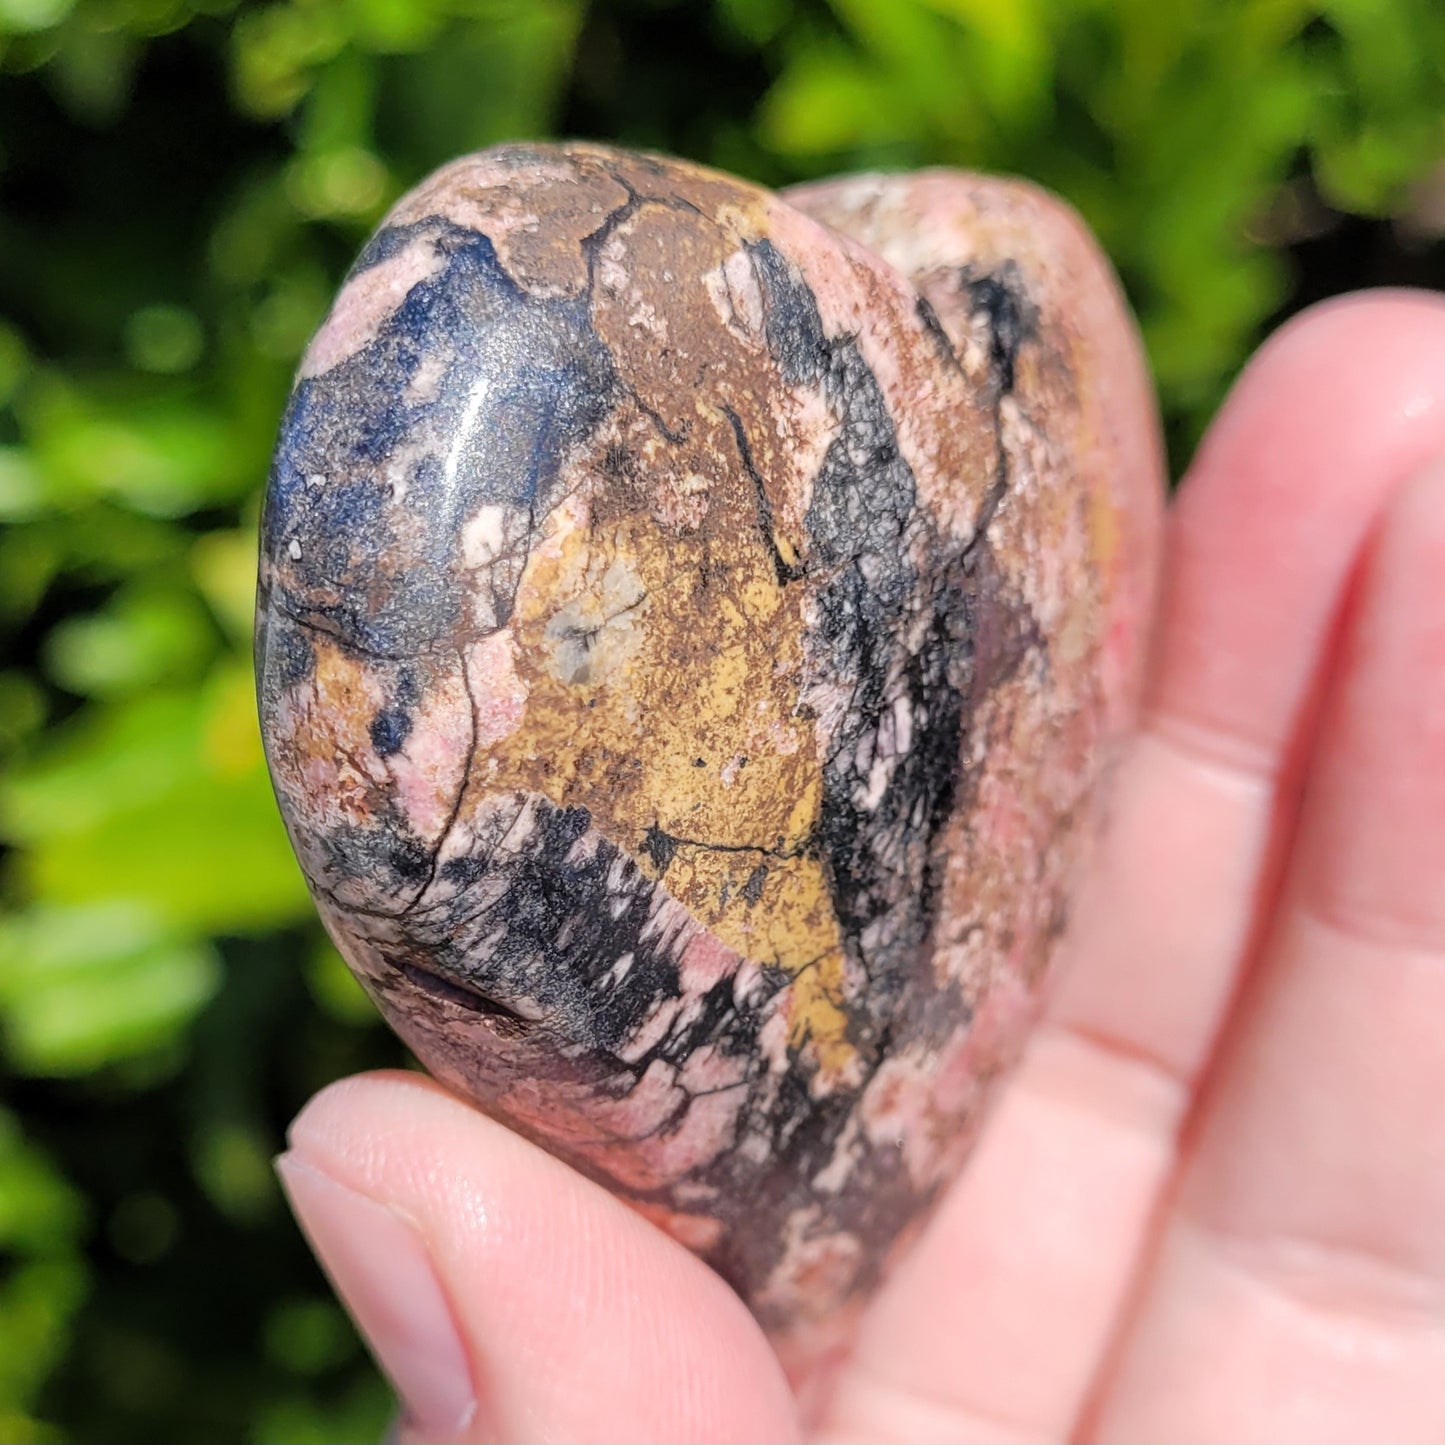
x=994, y=300
x=661, y=840
x=785, y=572
x=456, y=807
x=330, y=629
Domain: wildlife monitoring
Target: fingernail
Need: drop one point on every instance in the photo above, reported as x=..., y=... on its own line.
x=379, y=1266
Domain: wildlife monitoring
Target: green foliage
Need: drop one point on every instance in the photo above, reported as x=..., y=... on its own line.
x=1171, y=127
x=182, y=182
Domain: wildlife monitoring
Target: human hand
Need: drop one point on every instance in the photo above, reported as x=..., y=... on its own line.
x=1209, y=1205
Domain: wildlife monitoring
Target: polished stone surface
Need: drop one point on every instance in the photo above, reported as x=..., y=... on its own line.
x=693, y=623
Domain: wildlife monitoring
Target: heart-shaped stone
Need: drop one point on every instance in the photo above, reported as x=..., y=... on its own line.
x=693, y=623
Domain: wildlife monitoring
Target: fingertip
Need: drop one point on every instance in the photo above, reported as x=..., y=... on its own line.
x=1414, y=521
x=1359, y=351
x=1336, y=411
x=378, y=1262
x=331, y=1127
x=1373, y=845
x=580, y=1319
x=1366, y=370
x=1305, y=1245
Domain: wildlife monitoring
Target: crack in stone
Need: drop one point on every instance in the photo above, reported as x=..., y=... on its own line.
x=661, y=845
x=786, y=572
x=462, y=787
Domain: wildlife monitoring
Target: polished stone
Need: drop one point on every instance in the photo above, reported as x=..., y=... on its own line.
x=694, y=623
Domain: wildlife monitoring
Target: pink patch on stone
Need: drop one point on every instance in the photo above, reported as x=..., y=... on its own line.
x=362, y=306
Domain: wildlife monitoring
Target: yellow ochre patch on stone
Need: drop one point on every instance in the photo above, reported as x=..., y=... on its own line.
x=662, y=670
x=343, y=706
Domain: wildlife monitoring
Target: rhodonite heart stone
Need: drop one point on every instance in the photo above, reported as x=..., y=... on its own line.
x=693, y=623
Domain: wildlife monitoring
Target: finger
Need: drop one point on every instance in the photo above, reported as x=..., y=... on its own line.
x=995, y=1326
x=1328, y=422
x=508, y=1298
x=1300, y=1289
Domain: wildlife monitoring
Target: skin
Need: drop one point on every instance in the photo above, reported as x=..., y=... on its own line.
x=1208, y=1206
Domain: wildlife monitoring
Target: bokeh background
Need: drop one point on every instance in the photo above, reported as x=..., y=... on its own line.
x=182, y=183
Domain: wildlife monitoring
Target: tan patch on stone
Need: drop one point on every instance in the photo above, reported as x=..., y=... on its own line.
x=535, y=227
x=539, y=236
x=708, y=382
x=654, y=660
x=330, y=730
x=328, y=737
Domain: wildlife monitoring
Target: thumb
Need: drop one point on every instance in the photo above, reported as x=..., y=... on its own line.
x=508, y=1298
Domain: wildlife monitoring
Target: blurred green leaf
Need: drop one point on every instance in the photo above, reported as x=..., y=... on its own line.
x=517, y=57
x=161, y=458
x=346, y=181
x=90, y=985
x=38, y=1301
x=165, y=800
x=143, y=637
x=14, y=362
x=828, y=101
x=22, y=709
x=335, y=989
x=224, y=567
x=41, y=1220
x=363, y=1413
x=164, y=339
x=39, y=1212
x=756, y=21
x=275, y=50
x=26, y=15
x=307, y=1336
x=108, y=762
x=22, y=491
x=288, y=312
x=233, y=1165
x=93, y=72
